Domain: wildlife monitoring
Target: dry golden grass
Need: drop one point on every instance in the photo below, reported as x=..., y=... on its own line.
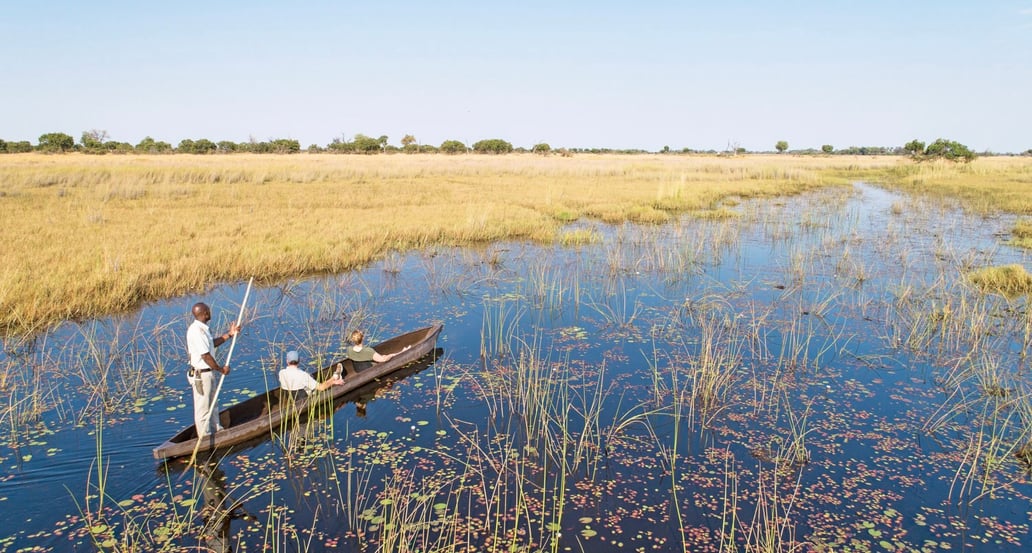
x=1008, y=280
x=92, y=235
x=986, y=185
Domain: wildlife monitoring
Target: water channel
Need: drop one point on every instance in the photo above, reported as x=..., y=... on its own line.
x=815, y=370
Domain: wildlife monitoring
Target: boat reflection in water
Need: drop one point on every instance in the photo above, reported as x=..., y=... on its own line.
x=218, y=508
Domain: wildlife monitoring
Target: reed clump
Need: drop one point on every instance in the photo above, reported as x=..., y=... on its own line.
x=1008, y=280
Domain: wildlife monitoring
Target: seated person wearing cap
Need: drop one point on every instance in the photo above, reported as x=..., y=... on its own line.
x=364, y=356
x=299, y=384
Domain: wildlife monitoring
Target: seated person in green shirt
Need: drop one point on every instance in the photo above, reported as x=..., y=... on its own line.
x=362, y=356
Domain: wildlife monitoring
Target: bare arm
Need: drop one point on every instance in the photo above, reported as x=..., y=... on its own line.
x=234, y=329
x=334, y=381
x=214, y=365
x=381, y=358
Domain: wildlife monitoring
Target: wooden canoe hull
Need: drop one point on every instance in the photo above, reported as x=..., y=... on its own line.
x=256, y=417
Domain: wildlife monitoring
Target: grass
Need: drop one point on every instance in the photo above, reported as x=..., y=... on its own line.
x=151, y=227
x=1009, y=280
x=100, y=235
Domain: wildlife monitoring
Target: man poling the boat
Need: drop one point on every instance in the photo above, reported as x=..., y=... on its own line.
x=203, y=366
x=201, y=347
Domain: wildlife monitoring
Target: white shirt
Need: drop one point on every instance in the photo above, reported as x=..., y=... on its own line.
x=293, y=378
x=199, y=342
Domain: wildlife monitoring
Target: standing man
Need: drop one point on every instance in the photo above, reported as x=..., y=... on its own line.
x=201, y=347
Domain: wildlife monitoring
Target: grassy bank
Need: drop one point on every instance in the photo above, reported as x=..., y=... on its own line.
x=87, y=236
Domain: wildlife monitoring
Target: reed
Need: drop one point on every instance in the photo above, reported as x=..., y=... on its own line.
x=770, y=529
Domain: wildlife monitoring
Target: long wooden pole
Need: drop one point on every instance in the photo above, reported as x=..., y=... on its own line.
x=229, y=356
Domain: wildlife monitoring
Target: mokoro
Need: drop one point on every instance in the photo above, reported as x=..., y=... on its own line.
x=259, y=415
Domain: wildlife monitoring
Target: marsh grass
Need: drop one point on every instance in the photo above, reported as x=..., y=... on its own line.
x=770, y=528
x=152, y=236
x=1009, y=280
x=29, y=396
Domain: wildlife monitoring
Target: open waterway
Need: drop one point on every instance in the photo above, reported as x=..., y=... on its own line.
x=815, y=373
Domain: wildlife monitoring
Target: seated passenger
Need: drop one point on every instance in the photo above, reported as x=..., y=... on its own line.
x=363, y=356
x=297, y=383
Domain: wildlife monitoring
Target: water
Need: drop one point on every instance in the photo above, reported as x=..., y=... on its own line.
x=856, y=365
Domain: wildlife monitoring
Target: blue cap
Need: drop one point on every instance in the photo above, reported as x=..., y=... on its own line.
x=292, y=357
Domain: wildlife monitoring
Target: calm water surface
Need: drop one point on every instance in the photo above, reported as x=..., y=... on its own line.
x=815, y=370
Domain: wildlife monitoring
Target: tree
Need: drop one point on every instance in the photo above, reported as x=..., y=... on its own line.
x=56, y=142
x=150, y=146
x=949, y=149
x=205, y=146
x=453, y=147
x=19, y=147
x=93, y=139
x=365, y=144
x=542, y=148
x=915, y=148
x=781, y=146
x=285, y=146
x=409, y=144
x=827, y=148
x=492, y=146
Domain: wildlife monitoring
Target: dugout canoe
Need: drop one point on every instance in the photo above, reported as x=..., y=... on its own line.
x=261, y=414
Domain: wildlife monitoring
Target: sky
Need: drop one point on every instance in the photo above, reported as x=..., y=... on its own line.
x=597, y=74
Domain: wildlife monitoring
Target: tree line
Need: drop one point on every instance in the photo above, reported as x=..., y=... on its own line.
x=98, y=142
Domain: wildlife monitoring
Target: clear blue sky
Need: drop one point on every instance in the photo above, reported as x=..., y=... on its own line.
x=574, y=74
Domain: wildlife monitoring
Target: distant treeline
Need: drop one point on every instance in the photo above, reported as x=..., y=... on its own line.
x=97, y=142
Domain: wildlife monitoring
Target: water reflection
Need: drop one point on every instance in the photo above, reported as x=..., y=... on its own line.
x=218, y=508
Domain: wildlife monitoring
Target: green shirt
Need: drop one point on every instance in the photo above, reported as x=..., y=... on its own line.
x=365, y=354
